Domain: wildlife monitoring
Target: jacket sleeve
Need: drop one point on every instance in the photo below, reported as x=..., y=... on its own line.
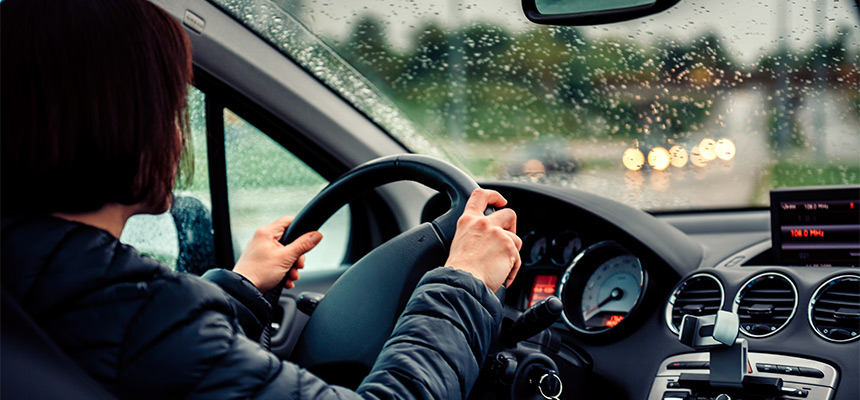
x=435, y=351
x=440, y=341
x=196, y=350
x=252, y=309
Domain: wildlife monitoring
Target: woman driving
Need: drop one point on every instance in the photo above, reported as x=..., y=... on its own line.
x=93, y=122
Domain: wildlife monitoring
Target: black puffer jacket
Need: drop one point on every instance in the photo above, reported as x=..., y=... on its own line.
x=145, y=332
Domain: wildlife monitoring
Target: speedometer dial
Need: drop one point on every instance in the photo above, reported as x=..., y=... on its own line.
x=602, y=287
x=611, y=292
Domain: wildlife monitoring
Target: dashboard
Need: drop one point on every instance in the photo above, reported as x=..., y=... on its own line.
x=627, y=279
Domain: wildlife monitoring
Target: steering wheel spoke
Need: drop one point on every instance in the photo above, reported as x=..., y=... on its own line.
x=351, y=323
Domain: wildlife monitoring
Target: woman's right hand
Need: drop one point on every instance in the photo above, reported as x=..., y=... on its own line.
x=265, y=260
x=487, y=246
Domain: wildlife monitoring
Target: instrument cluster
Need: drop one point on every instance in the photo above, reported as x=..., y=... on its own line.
x=600, y=283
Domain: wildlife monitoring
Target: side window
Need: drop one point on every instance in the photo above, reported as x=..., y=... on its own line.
x=266, y=182
x=182, y=238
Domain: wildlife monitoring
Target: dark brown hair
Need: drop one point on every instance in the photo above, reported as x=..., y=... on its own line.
x=93, y=104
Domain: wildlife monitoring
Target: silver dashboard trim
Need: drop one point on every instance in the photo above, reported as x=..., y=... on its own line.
x=745, y=286
x=819, y=388
x=815, y=297
x=671, y=302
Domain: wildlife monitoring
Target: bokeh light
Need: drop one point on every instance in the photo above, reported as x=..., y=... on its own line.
x=659, y=158
x=696, y=157
x=633, y=159
x=707, y=149
x=679, y=156
x=725, y=149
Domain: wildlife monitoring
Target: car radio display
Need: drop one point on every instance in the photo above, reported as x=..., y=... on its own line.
x=820, y=228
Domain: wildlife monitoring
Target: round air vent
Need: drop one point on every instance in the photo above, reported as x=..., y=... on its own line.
x=834, y=311
x=765, y=304
x=700, y=294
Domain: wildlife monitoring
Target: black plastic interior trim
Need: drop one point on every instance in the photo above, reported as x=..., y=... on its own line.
x=670, y=244
x=364, y=235
x=597, y=17
x=224, y=257
x=281, y=132
x=300, y=65
x=707, y=210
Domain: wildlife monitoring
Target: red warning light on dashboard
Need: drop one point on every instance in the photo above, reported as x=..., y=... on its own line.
x=543, y=287
x=613, y=320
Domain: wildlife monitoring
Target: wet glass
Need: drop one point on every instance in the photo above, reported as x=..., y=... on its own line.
x=156, y=235
x=266, y=182
x=703, y=106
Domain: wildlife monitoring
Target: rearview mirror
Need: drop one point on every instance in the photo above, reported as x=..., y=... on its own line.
x=591, y=12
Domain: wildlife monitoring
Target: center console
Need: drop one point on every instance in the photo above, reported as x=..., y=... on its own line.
x=680, y=378
x=729, y=371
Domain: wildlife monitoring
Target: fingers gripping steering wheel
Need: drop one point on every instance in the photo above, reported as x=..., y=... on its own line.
x=349, y=326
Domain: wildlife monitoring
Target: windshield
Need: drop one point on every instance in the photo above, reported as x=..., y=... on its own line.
x=703, y=106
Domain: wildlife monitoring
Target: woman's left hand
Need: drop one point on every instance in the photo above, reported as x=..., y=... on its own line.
x=265, y=260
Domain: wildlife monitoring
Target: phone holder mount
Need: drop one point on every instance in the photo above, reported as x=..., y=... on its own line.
x=731, y=375
x=719, y=335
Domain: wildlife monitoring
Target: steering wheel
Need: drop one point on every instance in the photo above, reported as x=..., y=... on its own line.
x=348, y=328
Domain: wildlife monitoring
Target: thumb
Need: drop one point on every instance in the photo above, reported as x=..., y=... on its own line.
x=303, y=244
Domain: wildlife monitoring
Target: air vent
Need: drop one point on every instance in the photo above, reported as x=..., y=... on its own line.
x=700, y=294
x=834, y=311
x=765, y=304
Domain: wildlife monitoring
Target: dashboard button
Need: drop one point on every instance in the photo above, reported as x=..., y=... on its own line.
x=811, y=372
x=788, y=370
x=766, y=368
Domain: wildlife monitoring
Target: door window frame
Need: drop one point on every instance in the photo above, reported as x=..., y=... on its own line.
x=219, y=96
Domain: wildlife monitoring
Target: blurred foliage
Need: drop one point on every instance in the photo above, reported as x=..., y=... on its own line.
x=256, y=161
x=785, y=173
x=498, y=85
x=194, y=170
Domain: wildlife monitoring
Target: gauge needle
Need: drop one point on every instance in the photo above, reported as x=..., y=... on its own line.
x=614, y=295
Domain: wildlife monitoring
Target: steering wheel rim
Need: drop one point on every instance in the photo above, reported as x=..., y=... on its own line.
x=429, y=171
x=339, y=346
